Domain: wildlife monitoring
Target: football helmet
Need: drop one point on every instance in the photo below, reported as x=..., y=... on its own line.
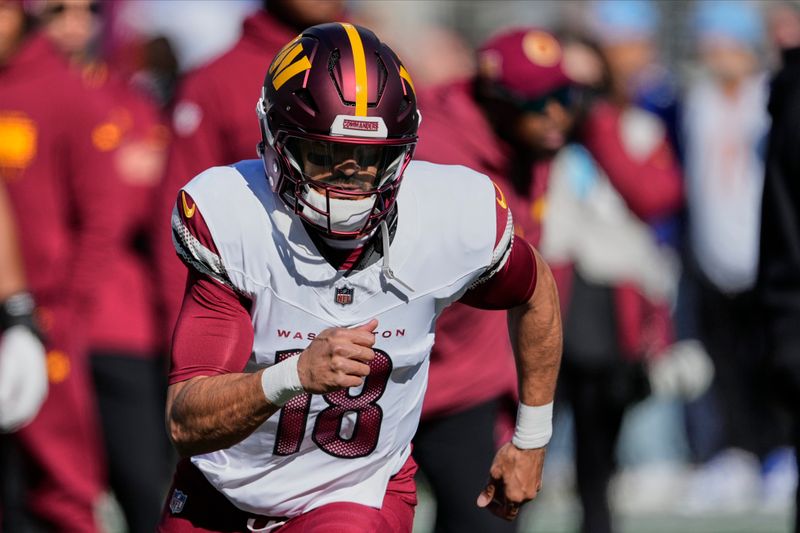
x=339, y=120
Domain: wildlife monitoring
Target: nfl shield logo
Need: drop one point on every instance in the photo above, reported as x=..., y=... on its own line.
x=344, y=295
x=177, y=502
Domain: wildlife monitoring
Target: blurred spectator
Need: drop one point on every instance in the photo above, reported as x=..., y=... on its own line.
x=213, y=124
x=57, y=159
x=124, y=355
x=626, y=32
x=779, y=266
x=725, y=124
x=511, y=123
x=616, y=278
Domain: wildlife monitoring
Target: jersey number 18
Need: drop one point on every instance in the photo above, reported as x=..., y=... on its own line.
x=327, y=429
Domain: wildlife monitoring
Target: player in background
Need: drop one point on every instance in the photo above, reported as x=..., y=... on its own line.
x=57, y=162
x=300, y=357
x=511, y=122
x=212, y=122
x=124, y=350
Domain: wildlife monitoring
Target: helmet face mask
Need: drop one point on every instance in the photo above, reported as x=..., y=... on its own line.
x=339, y=120
x=342, y=187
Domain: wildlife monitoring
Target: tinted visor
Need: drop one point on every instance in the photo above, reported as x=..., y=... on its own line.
x=348, y=166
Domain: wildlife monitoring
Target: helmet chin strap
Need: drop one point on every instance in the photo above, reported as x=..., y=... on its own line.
x=386, y=270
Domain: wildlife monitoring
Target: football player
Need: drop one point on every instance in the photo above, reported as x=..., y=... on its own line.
x=300, y=356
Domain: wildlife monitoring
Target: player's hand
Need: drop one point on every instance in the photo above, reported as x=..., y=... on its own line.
x=515, y=478
x=338, y=358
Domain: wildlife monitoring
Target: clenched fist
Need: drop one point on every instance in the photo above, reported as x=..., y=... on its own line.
x=514, y=479
x=338, y=358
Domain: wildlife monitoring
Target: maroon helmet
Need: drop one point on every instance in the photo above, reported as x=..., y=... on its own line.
x=339, y=122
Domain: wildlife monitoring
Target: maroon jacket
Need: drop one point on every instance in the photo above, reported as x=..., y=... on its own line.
x=214, y=123
x=57, y=144
x=124, y=321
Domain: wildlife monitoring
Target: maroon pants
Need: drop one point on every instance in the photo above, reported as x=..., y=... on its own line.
x=62, y=445
x=201, y=508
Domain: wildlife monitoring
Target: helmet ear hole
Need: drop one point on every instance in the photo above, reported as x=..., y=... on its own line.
x=272, y=166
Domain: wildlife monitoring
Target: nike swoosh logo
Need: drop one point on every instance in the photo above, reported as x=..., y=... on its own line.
x=186, y=210
x=501, y=199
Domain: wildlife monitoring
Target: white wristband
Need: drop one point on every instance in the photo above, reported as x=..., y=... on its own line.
x=534, y=426
x=281, y=382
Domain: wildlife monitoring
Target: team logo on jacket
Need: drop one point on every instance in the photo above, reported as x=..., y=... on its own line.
x=177, y=502
x=344, y=295
x=18, y=140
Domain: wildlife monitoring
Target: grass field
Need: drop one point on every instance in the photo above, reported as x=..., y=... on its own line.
x=564, y=518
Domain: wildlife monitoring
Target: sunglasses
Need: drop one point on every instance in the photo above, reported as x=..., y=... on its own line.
x=564, y=96
x=57, y=9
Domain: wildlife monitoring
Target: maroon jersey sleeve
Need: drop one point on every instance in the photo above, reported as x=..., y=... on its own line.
x=651, y=187
x=213, y=333
x=511, y=278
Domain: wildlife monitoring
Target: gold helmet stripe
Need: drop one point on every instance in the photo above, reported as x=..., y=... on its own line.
x=360, y=64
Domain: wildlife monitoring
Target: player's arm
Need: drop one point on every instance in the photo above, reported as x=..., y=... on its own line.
x=522, y=283
x=212, y=403
x=216, y=404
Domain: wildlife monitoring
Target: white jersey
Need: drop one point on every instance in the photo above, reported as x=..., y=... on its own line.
x=343, y=446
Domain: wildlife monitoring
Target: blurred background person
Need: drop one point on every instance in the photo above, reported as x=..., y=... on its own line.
x=779, y=260
x=608, y=192
x=212, y=120
x=725, y=123
x=627, y=31
x=57, y=160
x=506, y=122
x=126, y=360
x=651, y=438
x=511, y=123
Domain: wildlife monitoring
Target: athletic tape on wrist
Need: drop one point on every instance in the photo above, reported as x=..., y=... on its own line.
x=281, y=382
x=534, y=426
